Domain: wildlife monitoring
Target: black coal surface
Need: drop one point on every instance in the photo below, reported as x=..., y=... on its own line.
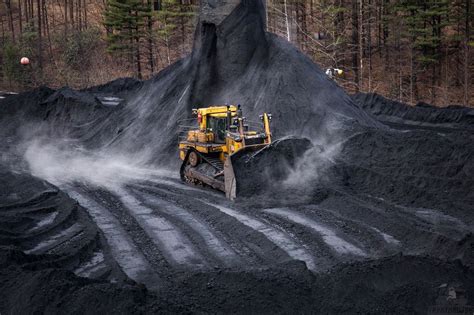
x=366, y=162
x=421, y=115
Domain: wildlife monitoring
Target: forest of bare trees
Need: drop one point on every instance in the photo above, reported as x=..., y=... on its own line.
x=407, y=50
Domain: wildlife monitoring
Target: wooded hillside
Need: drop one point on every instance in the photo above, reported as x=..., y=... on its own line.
x=407, y=50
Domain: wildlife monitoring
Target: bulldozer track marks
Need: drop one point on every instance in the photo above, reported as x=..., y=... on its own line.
x=162, y=226
x=125, y=251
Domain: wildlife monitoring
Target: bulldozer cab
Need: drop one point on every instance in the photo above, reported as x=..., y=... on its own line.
x=218, y=127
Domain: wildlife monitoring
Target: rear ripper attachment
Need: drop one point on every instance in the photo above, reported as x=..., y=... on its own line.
x=209, y=150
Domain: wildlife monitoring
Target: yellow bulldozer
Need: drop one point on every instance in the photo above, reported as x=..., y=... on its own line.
x=207, y=151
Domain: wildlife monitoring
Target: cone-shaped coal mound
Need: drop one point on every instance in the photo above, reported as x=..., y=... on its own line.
x=234, y=61
x=237, y=62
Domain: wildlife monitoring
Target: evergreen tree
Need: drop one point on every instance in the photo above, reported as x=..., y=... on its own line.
x=424, y=22
x=172, y=14
x=125, y=21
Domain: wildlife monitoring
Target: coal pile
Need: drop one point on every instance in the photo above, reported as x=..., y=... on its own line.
x=422, y=115
x=235, y=62
x=374, y=216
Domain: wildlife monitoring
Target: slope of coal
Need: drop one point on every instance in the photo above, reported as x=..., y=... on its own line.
x=40, y=220
x=238, y=62
x=233, y=62
x=427, y=160
x=393, y=112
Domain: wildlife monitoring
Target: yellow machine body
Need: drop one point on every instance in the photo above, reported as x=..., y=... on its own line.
x=222, y=131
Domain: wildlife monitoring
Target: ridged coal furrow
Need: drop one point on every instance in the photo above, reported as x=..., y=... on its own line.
x=67, y=219
x=139, y=237
x=182, y=219
x=353, y=232
x=410, y=230
x=35, y=200
x=51, y=227
x=75, y=244
x=14, y=226
x=32, y=214
x=254, y=247
x=22, y=235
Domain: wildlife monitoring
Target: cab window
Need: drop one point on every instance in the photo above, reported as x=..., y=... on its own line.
x=218, y=127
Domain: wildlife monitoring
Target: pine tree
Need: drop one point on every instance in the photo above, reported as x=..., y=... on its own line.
x=126, y=21
x=169, y=17
x=425, y=21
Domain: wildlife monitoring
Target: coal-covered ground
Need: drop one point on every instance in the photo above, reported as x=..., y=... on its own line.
x=375, y=217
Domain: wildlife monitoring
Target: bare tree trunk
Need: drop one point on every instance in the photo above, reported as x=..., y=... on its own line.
x=361, y=42
x=71, y=13
x=338, y=30
x=379, y=6
x=385, y=26
x=287, y=21
x=20, y=17
x=53, y=17
x=137, y=51
x=85, y=14
x=43, y=17
x=355, y=43
x=466, y=53
x=446, y=80
x=65, y=18
x=299, y=40
x=32, y=12
x=3, y=28
x=168, y=50
x=40, y=38
x=183, y=31
x=304, y=24
x=400, y=69
x=412, y=75
x=369, y=43
x=25, y=10
x=266, y=14
x=8, y=5
x=46, y=27
x=79, y=14
x=151, y=60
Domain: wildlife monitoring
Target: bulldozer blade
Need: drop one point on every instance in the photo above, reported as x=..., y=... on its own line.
x=229, y=180
x=256, y=169
x=229, y=175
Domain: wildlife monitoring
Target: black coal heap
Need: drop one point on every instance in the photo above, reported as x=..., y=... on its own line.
x=234, y=61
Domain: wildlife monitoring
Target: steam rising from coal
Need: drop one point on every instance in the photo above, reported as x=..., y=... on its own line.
x=61, y=165
x=312, y=168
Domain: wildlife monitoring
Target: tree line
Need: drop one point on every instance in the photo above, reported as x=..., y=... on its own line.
x=409, y=50
x=86, y=42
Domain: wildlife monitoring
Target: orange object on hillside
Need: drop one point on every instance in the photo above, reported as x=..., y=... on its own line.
x=25, y=61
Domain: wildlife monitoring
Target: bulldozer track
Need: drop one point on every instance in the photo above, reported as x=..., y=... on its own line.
x=191, y=175
x=215, y=162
